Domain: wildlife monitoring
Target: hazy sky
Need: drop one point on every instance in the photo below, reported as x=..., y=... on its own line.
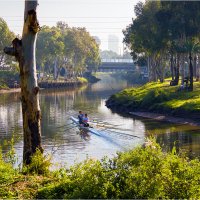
x=100, y=17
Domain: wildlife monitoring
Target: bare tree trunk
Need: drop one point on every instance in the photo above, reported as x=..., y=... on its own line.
x=191, y=72
x=198, y=69
x=159, y=69
x=148, y=67
x=1, y=60
x=177, y=70
x=55, y=69
x=153, y=65
x=195, y=66
x=171, y=66
x=24, y=51
x=182, y=69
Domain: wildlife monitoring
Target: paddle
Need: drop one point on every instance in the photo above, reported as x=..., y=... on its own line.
x=64, y=125
x=123, y=134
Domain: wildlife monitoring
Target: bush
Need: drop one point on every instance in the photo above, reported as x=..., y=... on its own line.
x=40, y=164
x=141, y=173
x=7, y=177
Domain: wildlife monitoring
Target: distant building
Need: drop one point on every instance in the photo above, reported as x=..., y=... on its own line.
x=98, y=41
x=113, y=43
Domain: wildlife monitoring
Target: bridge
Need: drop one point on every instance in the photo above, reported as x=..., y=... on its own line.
x=115, y=65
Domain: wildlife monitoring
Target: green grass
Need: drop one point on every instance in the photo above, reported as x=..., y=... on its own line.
x=159, y=97
x=141, y=173
x=82, y=80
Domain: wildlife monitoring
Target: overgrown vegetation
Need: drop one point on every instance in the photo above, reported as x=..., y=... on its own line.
x=7, y=79
x=158, y=97
x=140, y=173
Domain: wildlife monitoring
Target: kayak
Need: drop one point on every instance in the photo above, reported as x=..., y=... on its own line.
x=89, y=129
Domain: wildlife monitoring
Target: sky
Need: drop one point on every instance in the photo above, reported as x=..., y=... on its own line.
x=100, y=17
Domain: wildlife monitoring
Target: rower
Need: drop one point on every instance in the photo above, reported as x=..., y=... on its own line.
x=80, y=117
x=85, y=121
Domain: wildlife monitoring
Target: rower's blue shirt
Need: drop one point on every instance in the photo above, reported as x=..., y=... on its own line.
x=80, y=118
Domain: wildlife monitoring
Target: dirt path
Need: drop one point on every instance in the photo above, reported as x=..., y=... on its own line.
x=10, y=90
x=161, y=117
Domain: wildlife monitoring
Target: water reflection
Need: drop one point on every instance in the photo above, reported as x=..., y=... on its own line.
x=68, y=145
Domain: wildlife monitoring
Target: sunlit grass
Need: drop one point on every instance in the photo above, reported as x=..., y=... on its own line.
x=159, y=96
x=82, y=80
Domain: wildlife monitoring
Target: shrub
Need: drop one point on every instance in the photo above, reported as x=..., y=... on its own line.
x=40, y=164
x=141, y=173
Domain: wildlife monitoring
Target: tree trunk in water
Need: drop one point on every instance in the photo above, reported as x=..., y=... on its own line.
x=24, y=51
x=191, y=72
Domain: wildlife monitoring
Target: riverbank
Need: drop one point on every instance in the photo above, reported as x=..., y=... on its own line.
x=62, y=83
x=50, y=84
x=166, y=118
x=159, y=98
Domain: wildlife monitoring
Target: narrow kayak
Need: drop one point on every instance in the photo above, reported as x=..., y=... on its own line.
x=91, y=130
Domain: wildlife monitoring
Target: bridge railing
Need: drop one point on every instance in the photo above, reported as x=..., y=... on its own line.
x=116, y=60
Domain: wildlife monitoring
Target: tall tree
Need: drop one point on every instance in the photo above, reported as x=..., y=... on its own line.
x=24, y=52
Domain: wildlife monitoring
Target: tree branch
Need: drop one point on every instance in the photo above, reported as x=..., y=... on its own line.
x=15, y=50
x=9, y=51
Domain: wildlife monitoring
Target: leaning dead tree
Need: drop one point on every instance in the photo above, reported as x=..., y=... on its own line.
x=24, y=52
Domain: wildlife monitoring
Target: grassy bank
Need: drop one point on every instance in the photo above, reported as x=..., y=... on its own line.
x=158, y=97
x=141, y=173
x=82, y=80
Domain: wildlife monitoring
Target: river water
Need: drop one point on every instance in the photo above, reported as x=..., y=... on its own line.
x=63, y=140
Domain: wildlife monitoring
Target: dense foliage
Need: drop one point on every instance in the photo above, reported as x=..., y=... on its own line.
x=61, y=50
x=166, y=33
x=140, y=173
x=62, y=47
x=6, y=36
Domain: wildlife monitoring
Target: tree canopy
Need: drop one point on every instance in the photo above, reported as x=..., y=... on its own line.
x=6, y=36
x=161, y=32
x=70, y=48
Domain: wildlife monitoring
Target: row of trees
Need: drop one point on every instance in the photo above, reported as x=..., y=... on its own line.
x=167, y=34
x=59, y=47
x=62, y=47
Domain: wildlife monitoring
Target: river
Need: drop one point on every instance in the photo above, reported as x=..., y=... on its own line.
x=63, y=140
